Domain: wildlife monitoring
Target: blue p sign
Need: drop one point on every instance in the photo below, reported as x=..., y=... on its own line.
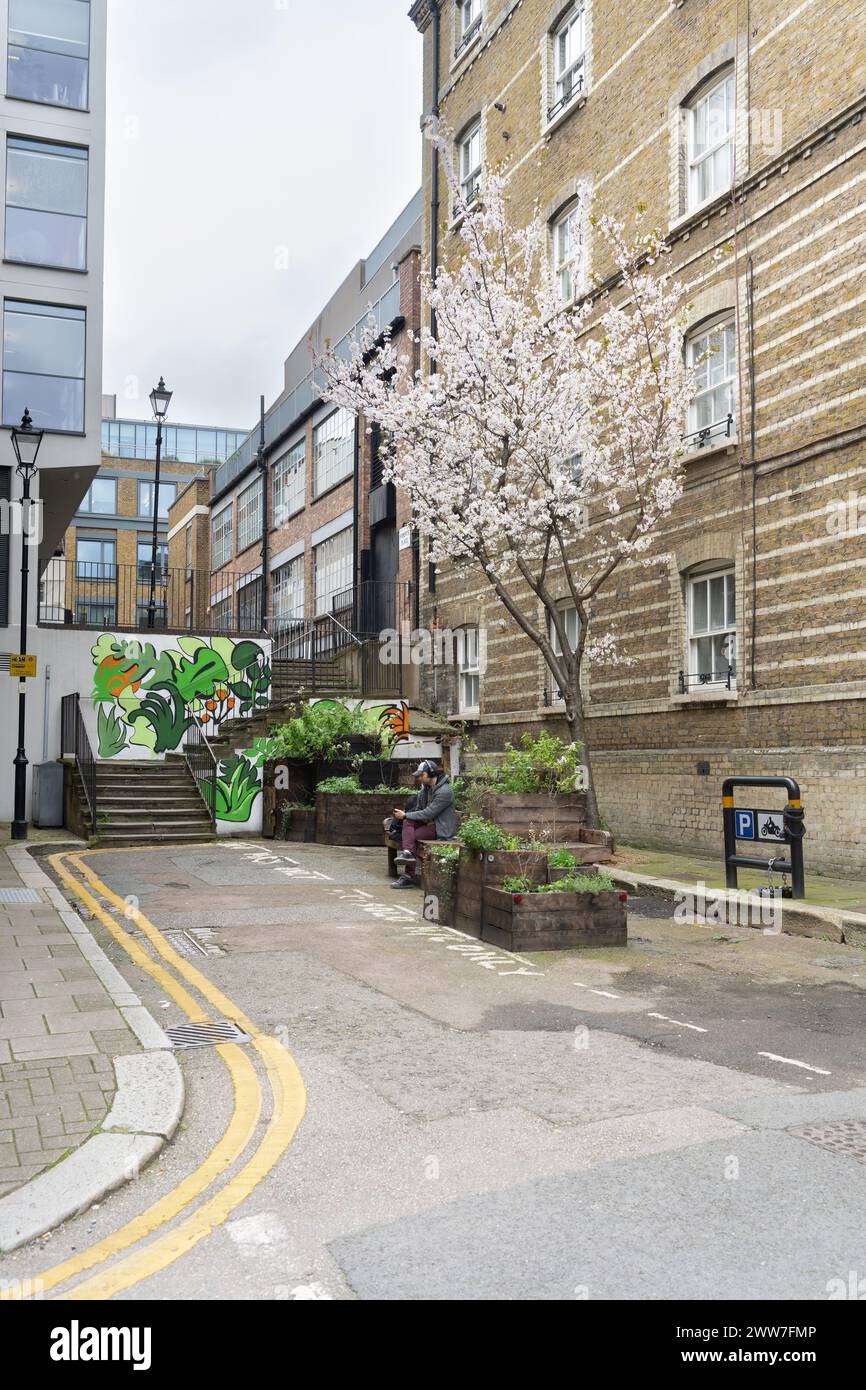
x=744, y=825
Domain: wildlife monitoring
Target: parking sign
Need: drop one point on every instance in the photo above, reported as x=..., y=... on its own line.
x=744, y=822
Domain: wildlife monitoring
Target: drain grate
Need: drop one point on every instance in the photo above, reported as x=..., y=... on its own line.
x=17, y=896
x=205, y=1034
x=839, y=1136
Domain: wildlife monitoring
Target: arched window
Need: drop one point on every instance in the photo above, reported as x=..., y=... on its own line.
x=568, y=254
x=569, y=59
x=711, y=119
x=468, y=670
x=470, y=156
x=711, y=351
x=711, y=612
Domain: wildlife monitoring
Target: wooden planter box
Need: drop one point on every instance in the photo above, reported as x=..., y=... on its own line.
x=301, y=826
x=478, y=870
x=438, y=881
x=553, y=921
x=559, y=817
x=344, y=819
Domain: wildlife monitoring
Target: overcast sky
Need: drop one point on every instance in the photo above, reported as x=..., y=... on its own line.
x=237, y=128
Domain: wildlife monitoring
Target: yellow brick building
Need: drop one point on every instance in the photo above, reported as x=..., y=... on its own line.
x=740, y=126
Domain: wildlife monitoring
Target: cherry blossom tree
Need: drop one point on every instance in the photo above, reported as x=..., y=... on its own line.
x=541, y=442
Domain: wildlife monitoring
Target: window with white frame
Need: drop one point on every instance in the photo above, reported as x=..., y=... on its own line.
x=167, y=495
x=711, y=140
x=288, y=583
x=470, y=15
x=571, y=623
x=250, y=515
x=333, y=450
x=101, y=497
x=569, y=60
x=332, y=564
x=221, y=537
x=568, y=262
x=470, y=162
x=468, y=670
x=712, y=354
x=290, y=481
x=712, y=625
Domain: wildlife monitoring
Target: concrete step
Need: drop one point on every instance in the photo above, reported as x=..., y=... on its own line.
x=110, y=840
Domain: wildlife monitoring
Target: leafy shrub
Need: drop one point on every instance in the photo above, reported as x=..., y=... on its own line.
x=543, y=764
x=478, y=834
x=351, y=786
x=448, y=853
x=580, y=883
x=321, y=732
x=516, y=885
x=561, y=859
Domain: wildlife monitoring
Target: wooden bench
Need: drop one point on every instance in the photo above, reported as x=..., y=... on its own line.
x=394, y=848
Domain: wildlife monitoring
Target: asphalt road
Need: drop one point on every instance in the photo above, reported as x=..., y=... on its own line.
x=657, y=1122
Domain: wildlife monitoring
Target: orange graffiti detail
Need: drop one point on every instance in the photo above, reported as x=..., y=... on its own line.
x=396, y=718
x=125, y=677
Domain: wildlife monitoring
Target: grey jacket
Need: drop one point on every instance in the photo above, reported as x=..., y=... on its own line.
x=437, y=804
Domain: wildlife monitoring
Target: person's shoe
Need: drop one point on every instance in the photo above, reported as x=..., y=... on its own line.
x=405, y=858
x=404, y=881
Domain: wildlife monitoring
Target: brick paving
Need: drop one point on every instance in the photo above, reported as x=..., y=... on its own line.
x=59, y=1031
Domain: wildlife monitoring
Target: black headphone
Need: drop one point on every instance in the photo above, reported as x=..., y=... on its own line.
x=430, y=768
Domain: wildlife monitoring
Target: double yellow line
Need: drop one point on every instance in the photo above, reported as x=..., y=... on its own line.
x=287, y=1111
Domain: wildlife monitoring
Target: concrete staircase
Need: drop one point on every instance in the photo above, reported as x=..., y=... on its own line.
x=154, y=803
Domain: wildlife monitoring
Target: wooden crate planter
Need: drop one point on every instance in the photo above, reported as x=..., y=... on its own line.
x=558, y=817
x=478, y=870
x=346, y=819
x=439, y=882
x=553, y=921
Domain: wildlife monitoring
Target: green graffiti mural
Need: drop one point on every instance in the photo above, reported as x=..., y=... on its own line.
x=239, y=782
x=147, y=699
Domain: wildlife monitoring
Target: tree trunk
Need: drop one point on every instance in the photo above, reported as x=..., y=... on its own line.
x=577, y=728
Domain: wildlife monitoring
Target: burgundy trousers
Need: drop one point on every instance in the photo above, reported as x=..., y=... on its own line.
x=413, y=831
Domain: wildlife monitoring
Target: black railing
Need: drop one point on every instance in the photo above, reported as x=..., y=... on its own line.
x=575, y=87
x=721, y=429
x=75, y=743
x=725, y=678
x=472, y=32
x=202, y=763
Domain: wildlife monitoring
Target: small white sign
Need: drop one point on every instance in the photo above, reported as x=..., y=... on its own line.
x=771, y=826
x=405, y=537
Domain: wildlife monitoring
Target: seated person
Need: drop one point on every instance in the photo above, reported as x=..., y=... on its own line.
x=434, y=818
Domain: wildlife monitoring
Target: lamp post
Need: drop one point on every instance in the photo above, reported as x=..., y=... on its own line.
x=160, y=399
x=26, y=442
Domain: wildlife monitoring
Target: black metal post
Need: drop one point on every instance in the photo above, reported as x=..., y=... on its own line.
x=19, y=823
x=151, y=607
x=793, y=820
x=263, y=473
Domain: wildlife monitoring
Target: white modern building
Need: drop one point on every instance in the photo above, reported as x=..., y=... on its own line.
x=53, y=75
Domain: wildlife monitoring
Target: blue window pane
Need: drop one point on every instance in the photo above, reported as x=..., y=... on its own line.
x=47, y=77
x=43, y=238
x=55, y=403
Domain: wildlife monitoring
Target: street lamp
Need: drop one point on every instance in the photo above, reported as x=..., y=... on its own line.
x=26, y=442
x=160, y=399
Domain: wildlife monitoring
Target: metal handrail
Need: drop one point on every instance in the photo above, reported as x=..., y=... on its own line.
x=203, y=765
x=75, y=743
x=567, y=98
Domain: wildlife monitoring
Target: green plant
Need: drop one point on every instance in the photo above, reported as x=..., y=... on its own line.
x=321, y=732
x=166, y=714
x=479, y=834
x=516, y=884
x=237, y=787
x=287, y=810
x=449, y=854
x=561, y=859
x=580, y=883
x=345, y=786
x=543, y=764
x=111, y=731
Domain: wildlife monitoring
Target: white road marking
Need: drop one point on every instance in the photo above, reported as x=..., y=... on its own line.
x=605, y=993
x=792, y=1062
x=678, y=1023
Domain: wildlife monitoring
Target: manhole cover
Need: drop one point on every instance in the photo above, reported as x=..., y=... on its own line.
x=839, y=1136
x=16, y=896
x=205, y=1034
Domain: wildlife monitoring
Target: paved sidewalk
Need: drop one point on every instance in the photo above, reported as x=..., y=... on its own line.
x=822, y=890
x=60, y=1025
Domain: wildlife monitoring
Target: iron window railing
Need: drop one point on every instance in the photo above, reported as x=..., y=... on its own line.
x=577, y=83
x=724, y=679
x=720, y=429
x=471, y=33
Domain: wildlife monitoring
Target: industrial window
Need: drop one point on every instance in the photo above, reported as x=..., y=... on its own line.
x=711, y=141
x=167, y=494
x=468, y=670
x=289, y=593
x=46, y=204
x=250, y=516
x=290, y=482
x=43, y=365
x=94, y=613
x=101, y=498
x=569, y=60
x=470, y=162
x=95, y=559
x=568, y=255
x=250, y=606
x=712, y=353
x=221, y=537
x=221, y=618
x=571, y=623
x=470, y=16
x=48, y=51
x=332, y=563
x=145, y=550
x=712, y=625
x=333, y=450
